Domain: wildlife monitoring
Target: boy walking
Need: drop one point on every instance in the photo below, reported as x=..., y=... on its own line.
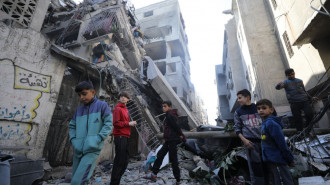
x=121, y=132
x=247, y=127
x=173, y=136
x=298, y=98
x=89, y=127
x=275, y=151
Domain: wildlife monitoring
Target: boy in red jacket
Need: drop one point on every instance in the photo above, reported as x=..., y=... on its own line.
x=121, y=132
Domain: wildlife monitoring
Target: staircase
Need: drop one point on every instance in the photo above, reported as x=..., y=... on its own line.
x=135, y=109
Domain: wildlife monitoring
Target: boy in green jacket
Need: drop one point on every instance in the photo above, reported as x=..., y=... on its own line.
x=89, y=127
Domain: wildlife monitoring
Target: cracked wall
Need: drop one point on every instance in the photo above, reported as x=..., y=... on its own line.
x=30, y=82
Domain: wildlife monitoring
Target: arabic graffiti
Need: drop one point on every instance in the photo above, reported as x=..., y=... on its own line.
x=26, y=79
x=14, y=113
x=37, y=104
x=15, y=132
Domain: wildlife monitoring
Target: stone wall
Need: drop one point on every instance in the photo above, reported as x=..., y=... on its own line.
x=30, y=82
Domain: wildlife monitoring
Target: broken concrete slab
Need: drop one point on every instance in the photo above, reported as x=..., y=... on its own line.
x=316, y=180
x=164, y=89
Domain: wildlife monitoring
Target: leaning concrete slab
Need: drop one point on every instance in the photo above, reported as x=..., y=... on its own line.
x=165, y=91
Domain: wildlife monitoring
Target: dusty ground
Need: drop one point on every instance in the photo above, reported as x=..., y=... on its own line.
x=132, y=176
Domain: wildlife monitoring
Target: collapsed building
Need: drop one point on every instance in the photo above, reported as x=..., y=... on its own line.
x=48, y=47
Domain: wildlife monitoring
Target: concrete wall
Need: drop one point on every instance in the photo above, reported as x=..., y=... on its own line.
x=292, y=18
x=30, y=82
x=260, y=53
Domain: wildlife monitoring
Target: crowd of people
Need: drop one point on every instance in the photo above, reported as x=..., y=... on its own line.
x=257, y=125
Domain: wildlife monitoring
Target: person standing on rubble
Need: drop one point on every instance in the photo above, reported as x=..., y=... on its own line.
x=247, y=127
x=89, y=127
x=121, y=132
x=173, y=136
x=298, y=98
x=275, y=152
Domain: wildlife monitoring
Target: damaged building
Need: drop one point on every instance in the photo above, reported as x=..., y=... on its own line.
x=49, y=46
x=253, y=48
x=261, y=40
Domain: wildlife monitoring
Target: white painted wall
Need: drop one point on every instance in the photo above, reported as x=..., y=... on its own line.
x=30, y=82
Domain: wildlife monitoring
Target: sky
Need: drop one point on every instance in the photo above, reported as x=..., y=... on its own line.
x=204, y=23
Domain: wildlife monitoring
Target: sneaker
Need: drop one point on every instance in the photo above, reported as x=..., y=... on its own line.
x=151, y=177
x=178, y=183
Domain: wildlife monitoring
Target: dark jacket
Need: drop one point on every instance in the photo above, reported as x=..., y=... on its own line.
x=120, y=121
x=294, y=89
x=90, y=126
x=247, y=121
x=274, y=147
x=172, y=130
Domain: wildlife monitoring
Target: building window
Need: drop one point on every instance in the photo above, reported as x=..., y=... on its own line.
x=20, y=10
x=162, y=67
x=171, y=67
x=274, y=4
x=175, y=90
x=149, y=13
x=288, y=44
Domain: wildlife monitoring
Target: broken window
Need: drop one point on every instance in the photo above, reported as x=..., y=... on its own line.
x=101, y=24
x=162, y=67
x=21, y=11
x=149, y=13
x=155, y=32
x=171, y=67
x=101, y=51
x=287, y=44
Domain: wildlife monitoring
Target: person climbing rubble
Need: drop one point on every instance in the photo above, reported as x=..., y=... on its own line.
x=298, y=98
x=173, y=136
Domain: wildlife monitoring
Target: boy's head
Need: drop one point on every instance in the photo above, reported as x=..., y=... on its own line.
x=290, y=74
x=85, y=91
x=167, y=106
x=244, y=97
x=265, y=108
x=124, y=97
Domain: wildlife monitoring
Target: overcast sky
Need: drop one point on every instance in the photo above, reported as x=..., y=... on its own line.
x=205, y=28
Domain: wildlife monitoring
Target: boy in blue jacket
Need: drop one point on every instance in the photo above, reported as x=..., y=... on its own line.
x=89, y=127
x=275, y=152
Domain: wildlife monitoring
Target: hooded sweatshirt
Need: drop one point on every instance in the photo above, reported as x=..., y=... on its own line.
x=274, y=147
x=172, y=130
x=120, y=121
x=247, y=121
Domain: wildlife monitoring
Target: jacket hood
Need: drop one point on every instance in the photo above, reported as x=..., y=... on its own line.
x=121, y=105
x=275, y=119
x=174, y=112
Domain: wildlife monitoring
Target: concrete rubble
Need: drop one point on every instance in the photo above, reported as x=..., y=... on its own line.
x=134, y=174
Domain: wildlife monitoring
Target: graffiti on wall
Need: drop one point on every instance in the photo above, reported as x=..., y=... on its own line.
x=20, y=107
x=26, y=79
x=14, y=113
x=15, y=132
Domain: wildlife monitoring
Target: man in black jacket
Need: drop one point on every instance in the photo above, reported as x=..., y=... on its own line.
x=173, y=136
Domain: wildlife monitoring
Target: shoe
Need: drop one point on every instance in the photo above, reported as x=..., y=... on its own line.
x=151, y=177
x=178, y=183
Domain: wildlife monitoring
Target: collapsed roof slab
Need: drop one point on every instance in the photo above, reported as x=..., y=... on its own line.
x=165, y=91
